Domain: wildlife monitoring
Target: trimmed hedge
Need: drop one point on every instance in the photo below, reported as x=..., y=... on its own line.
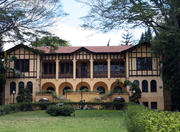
x=142, y=119
x=11, y=108
x=55, y=110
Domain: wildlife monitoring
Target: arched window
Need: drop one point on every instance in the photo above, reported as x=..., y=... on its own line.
x=117, y=89
x=144, y=86
x=65, y=89
x=101, y=90
x=136, y=82
x=30, y=86
x=12, y=87
x=83, y=88
x=50, y=89
x=153, y=86
x=21, y=86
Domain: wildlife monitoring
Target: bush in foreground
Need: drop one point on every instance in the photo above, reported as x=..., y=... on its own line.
x=142, y=119
x=55, y=110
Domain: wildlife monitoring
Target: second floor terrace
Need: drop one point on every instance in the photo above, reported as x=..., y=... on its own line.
x=83, y=69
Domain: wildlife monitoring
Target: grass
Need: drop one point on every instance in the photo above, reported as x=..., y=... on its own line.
x=83, y=121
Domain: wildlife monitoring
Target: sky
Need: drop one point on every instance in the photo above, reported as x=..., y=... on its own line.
x=68, y=28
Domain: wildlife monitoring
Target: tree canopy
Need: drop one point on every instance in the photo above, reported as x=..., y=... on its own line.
x=52, y=41
x=106, y=15
x=146, y=37
x=22, y=20
x=163, y=16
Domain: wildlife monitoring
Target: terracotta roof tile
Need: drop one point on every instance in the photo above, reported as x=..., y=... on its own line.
x=95, y=49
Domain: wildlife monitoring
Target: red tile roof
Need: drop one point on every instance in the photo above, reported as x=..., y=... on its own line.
x=94, y=49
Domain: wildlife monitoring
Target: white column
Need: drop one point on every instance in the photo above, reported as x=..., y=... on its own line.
x=38, y=66
x=57, y=67
x=74, y=67
x=91, y=67
x=127, y=63
x=109, y=66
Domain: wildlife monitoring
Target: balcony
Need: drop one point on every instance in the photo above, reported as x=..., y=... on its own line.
x=100, y=74
x=115, y=74
x=45, y=75
x=82, y=74
x=65, y=75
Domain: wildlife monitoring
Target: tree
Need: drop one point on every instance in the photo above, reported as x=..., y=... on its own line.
x=106, y=15
x=127, y=38
x=163, y=16
x=24, y=95
x=135, y=91
x=4, y=60
x=52, y=41
x=22, y=20
x=146, y=37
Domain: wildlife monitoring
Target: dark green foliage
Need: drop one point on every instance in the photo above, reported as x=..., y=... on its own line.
x=23, y=20
x=146, y=37
x=135, y=91
x=24, y=95
x=168, y=44
x=64, y=110
x=142, y=119
x=52, y=41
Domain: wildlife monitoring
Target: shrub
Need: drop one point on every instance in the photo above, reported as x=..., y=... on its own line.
x=142, y=119
x=55, y=110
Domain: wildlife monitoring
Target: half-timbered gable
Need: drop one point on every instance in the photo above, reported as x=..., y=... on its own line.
x=141, y=61
x=26, y=61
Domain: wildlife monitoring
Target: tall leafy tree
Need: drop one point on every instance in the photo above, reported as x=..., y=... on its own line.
x=163, y=16
x=22, y=20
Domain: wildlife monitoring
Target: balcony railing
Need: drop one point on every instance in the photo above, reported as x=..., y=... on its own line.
x=49, y=75
x=65, y=75
x=82, y=74
x=115, y=74
x=100, y=74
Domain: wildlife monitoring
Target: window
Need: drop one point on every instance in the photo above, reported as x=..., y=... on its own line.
x=101, y=90
x=117, y=67
x=65, y=90
x=117, y=89
x=144, y=63
x=22, y=65
x=50, y=89
x=66, y=67
x=30, y=86
x=146, y=104
x=153, y=105
x=144, y=86
x=12, y=87
x=153, y=86
x=49, y=67
x=136, y=82
x=100, y=67
x=83, y=88
x=21, y=86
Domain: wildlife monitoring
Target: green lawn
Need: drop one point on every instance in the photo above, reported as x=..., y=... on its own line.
x=83, y=121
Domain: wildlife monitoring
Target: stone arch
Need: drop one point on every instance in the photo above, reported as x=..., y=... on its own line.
x=119, y=85
x=100, y=84
x=83, y=84
x=64, y=85
x=49, y=86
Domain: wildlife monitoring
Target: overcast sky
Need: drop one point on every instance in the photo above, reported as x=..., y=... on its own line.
x=69, y=28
